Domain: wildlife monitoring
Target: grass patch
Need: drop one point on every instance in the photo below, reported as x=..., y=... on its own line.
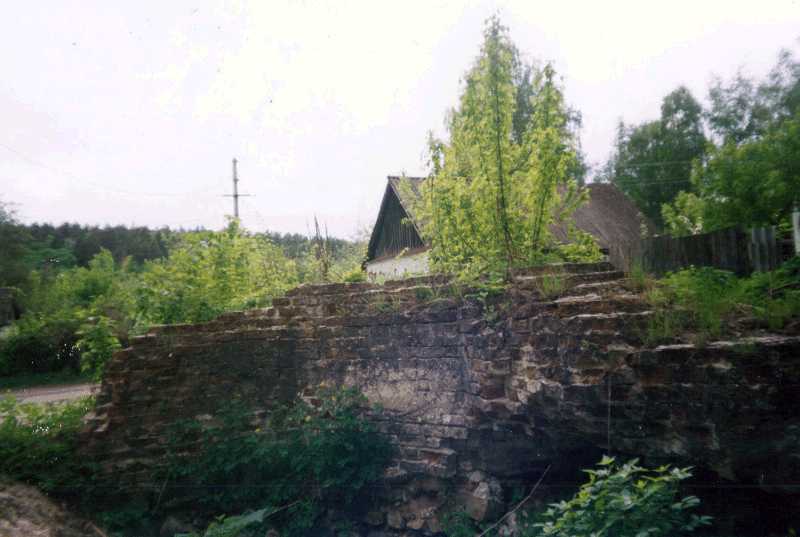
x=551, y=285
x=639, y=280
x=707, y=302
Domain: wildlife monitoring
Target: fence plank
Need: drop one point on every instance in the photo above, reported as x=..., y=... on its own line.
x=728, y=249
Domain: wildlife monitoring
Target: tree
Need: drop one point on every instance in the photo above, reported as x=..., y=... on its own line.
x=652, y=161
x=754, y=183
x=504, y=175
x=744, y=109
x=13, y=249
x=752, y=176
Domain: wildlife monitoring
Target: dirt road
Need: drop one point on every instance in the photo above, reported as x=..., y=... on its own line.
x=51, y=394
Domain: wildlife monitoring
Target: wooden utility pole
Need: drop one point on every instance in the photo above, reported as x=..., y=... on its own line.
x=235, y=194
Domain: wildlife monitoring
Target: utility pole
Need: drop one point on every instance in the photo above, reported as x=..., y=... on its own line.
x=235, y=194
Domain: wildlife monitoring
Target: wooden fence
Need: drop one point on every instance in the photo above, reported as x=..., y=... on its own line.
x=737, y=250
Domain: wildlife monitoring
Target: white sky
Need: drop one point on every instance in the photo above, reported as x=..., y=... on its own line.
x=130, y=112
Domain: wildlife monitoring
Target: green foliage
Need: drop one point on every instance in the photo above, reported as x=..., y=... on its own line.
x=706, y=300
x=302, y=457
x=96, y=345
x=41, y=379
x=707, y=293
x=355, y=275
x=88, y=312
x=551, y=285
x=14, y=239
x=506, y=173
x=581, y=248
x=34, y=345
x=459, y=524
x=754, y=183
x=774, y=297
x=97, y=298
x=684, y=216
x=744, y=109
x=37, y=443
x=209, y=273
x=652, y=161
x=746, y=176
x=624, y=501
x=638, y=279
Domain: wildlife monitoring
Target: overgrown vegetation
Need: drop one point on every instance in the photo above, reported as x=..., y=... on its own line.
x=510, y=169
x=38, y=442
x=624, y=500
x=305, y=457
x=282, y=472
x=75, y=317
x=707, y=302
x=619, y=500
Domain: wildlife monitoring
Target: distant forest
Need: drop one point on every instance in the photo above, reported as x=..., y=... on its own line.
x=47, y=247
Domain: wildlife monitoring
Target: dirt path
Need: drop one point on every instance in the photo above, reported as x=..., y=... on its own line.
x=51, y=394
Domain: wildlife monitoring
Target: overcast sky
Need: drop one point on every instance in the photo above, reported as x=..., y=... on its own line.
x=130, y=112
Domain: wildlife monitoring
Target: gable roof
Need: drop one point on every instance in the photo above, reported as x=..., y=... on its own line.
x=407, y=190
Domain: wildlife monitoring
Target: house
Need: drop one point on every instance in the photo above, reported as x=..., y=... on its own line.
x=397, y=247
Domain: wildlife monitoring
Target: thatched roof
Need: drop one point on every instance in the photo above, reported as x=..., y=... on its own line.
x=609, y=215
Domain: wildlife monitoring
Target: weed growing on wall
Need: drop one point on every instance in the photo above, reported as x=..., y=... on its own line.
x=304, y=457
x=551, y=285
x=706, y=301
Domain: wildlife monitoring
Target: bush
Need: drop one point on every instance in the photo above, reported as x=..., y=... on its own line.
x=35, y=346
x=97, y=344
x=303, y=456
x=774, y=296
x=707, y=293
x=355, y=275
x=37, y=443
x=624, y=501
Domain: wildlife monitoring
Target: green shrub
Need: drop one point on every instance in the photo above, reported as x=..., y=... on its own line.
x=97, y=344
x=355, y=275
x=706, y=300
x=305, y=456
x=36, y=346
x=774, y=296
x=37, y=443
x=708, y=294
x=624, y=501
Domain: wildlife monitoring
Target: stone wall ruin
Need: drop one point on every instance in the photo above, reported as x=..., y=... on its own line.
x=479, y=396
